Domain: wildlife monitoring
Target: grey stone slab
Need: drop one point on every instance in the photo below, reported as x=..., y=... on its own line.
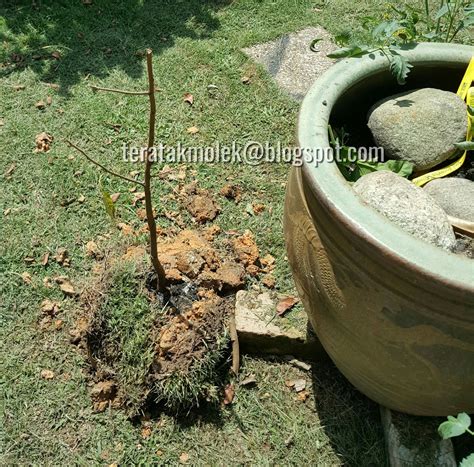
x=414, y=441
x=261, y=332
x=290, y=61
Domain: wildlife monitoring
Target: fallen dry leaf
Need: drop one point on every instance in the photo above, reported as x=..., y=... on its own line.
x=56, y=55
x=299, y=364
x=52, y=85
x=26, y=276
x=245, y=80
x=229, y=393
x=286, y=304
x=40, y=105
x=45, y=259
x=188, y=98
x=114, y=197
x=49, y=100
x=7, y=211
x=28, y=259
x=81, y=199
x=43, y=142
x=146, y=432
x=47, y=282
x=138, y=196
x=248, y=381
x=184, y=458
x=10, y=170
x=47, y=374
x=49, y=307
x=125, y=228
x=92, y=249
x=299, y=385
x=60, y=279
x=68, y=289
x=181, y=173
x=302, y=396
x=258, y=208
x=193, y=130
x=141, y=213
x=58, y=324
x=62, y=257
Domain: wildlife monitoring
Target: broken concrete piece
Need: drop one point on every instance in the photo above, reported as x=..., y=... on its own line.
x=260, y=332
x=290, y=61
x=414, y=441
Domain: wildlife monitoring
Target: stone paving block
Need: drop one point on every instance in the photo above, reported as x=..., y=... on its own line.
x=290, y=61
x=260, y=331
x=415, y=441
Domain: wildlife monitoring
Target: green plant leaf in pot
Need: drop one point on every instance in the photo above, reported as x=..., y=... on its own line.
x=454, y=426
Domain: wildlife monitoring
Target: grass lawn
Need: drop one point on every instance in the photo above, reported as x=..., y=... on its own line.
x=196, y=43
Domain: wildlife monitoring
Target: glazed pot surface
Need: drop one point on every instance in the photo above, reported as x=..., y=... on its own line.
x=394, y=313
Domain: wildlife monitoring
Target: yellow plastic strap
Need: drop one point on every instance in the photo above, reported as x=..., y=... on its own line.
x=465, y=92
x=466, y=81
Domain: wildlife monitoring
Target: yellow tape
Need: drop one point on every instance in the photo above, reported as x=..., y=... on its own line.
x=466, y=81
x=465, y=92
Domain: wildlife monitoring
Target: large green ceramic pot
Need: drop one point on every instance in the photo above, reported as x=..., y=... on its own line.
x=395, y=314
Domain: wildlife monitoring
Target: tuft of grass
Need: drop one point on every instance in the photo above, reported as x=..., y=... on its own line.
x=120, y=329
x=182, y=391
x=124, y=322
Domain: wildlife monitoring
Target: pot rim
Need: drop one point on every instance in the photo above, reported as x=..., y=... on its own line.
x=327, y=183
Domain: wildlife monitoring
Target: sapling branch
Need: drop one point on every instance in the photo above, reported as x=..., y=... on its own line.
x=234, y=338
x=160, y=272
x=120, y=91
x=103, y=167
x=146, y=184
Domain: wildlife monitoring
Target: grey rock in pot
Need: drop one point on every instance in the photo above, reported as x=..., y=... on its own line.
x=454, y=195
x=408, y=206
x=419, y=126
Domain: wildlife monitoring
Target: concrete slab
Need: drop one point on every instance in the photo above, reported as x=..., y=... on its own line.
x=415, y=441
x=290, y=61
x=261, y=332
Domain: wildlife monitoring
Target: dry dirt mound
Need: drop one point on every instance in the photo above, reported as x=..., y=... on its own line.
x=140, y=347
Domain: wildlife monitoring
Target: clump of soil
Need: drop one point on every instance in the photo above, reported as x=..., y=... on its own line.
x=200, y=203
x=232, y=192
x=188, y=350
x=142, y=346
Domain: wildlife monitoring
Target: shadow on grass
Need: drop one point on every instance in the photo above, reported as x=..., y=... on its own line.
x=95, y=39
x=350, y=420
